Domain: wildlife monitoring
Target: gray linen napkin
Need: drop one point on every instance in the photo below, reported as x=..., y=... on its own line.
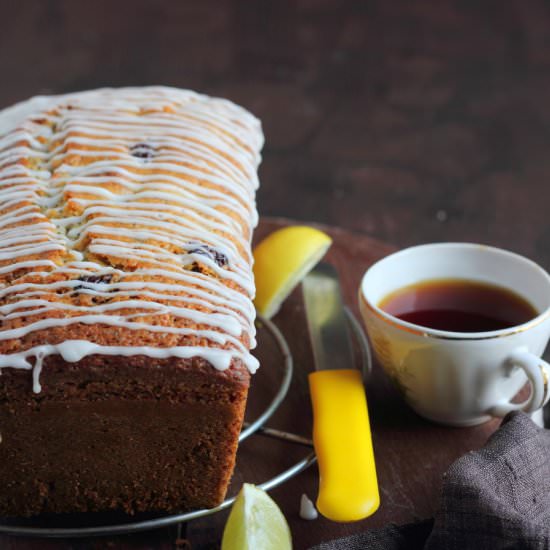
x=497, y=498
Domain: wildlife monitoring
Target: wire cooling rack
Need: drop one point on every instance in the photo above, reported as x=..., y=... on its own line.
x=29, y=527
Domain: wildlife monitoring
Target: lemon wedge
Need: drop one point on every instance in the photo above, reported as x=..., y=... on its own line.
x=256, y=523
x=282, y=260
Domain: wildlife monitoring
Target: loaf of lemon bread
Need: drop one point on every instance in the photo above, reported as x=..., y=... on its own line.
x=126, y=317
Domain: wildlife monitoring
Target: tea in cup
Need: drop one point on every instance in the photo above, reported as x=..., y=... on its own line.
x=460, y=328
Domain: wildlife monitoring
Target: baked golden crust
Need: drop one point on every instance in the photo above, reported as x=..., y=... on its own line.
x=125, y=220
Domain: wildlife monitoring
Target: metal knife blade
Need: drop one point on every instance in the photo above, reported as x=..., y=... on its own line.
x=326, y=319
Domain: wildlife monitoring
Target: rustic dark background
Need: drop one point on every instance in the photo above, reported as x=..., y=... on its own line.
x=409, y=121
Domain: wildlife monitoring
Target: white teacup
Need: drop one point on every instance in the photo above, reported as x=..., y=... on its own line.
x=460, y=378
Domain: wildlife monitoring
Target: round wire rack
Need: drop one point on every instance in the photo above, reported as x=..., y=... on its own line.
x=29, y=528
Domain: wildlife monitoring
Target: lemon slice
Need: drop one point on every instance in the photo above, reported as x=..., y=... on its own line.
x=256, y=523
x=282, y=260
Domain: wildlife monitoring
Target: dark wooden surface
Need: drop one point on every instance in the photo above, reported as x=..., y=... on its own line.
x=407, y=121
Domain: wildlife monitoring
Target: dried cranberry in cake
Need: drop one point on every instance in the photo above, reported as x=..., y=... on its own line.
x=91, y=296
x=105, y=279
x=210, y=252
x=142, y=151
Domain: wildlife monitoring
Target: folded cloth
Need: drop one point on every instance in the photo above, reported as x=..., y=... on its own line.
x=493, y=499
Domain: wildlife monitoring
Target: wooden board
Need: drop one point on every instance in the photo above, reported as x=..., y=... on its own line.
x=411, y=453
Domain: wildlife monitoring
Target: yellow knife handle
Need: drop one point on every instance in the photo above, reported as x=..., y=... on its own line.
x=348, y=488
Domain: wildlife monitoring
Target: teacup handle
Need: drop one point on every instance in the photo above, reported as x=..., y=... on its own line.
x=538, y=373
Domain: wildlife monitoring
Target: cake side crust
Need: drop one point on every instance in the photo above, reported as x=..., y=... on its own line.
x=95, y=442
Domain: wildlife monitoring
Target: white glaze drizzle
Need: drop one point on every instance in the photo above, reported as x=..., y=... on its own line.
x=197, y=154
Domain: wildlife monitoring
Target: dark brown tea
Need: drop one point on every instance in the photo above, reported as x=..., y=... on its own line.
x=458, y=305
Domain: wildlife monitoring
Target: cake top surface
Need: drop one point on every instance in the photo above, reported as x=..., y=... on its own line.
x=125, y=225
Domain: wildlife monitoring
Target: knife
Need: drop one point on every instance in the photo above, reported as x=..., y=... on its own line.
x=348, y=487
